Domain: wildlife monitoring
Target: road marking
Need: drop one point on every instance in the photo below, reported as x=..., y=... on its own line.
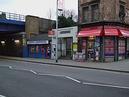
x=32, y=71
x=75, y=80
x=51, y=75
x=102, y=85
x=2, y=96
x=10, y=67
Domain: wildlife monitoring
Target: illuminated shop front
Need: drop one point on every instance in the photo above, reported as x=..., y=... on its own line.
x=104, y=41
x=39, y=49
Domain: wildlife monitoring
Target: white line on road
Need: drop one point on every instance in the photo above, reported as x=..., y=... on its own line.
x=33, y=71
x=102, y=85
x=2, y=96
x=10, y=67
x=51, y=75
x=75, y=80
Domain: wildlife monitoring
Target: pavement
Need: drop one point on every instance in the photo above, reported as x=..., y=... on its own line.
x=120, y=66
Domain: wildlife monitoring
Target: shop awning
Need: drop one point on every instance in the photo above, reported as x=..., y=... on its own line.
x=108, y=31
x=111, y=32
x=125, y=33
x=92, y=32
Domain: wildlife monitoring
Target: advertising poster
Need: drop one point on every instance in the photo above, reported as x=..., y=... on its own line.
x=121, y=48
x=75, y=47
x=109, y=47
x=37, y=49
x=32, y=49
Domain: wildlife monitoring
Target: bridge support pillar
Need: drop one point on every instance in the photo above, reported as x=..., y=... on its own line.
x=24, y=45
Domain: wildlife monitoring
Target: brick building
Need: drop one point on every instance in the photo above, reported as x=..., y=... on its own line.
x=38, y=42
x=35, y=26
x=104, y=29
x=103, y=10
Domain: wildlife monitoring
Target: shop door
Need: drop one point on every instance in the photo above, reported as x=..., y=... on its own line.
x=91, y=49
x=69, y=42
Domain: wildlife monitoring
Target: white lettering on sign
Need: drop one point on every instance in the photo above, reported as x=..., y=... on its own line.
x=38, y=42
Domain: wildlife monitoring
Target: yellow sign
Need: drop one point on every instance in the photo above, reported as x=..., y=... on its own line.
x=75, y=47
x=24, y=41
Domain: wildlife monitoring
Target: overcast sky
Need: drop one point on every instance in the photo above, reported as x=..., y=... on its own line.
x=39, y=8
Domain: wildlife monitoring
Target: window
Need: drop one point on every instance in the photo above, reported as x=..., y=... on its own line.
x=85, y=14
x=122, y=13
x=90, y=11
x=94, y=12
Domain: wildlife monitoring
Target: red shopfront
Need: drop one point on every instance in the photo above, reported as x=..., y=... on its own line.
x=104, y=43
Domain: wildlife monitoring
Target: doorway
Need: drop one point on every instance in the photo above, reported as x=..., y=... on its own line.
x=91, y=48
x=66, y=48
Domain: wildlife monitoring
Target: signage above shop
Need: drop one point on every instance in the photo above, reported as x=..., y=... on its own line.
x=38, y=42
x=51, y=33
x=65, y=32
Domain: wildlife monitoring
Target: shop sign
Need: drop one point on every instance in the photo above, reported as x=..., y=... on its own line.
x=65, y=32
x=38, y=42
x=51, y=33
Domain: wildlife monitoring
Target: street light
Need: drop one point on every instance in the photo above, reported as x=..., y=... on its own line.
x=57, y=9
x=57, y=31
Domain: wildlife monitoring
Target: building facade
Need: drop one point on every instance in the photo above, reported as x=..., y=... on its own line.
x=104, y=29
x=38, y=42
x=67, y=42
x=103, y=10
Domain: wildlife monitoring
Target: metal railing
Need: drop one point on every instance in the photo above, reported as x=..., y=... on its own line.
x=12, y=16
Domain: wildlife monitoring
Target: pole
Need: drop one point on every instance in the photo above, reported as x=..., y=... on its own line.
x=56, y=31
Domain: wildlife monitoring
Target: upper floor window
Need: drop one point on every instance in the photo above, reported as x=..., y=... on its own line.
x=86, y=14
x=94, y=12
x=122, y=12
x=90, y=13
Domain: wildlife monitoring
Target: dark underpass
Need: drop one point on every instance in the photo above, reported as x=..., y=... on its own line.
x=11, y=44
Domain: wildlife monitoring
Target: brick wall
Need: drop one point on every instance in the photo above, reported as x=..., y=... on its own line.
x=35, y=25
x=109, y=9
x=32, y=25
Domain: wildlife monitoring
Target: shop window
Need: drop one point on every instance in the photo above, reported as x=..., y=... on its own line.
x=121, y=48
x=109, y=49
x=37, y=49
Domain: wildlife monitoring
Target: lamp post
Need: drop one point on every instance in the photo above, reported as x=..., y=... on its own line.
x=56, y=31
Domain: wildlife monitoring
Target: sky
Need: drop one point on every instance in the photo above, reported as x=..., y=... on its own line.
x=41, y=8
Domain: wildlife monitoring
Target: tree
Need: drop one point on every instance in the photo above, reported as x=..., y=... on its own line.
x=3, y=15
x=66, y=19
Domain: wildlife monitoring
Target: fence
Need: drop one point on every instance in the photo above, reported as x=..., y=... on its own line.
x=12, y=16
